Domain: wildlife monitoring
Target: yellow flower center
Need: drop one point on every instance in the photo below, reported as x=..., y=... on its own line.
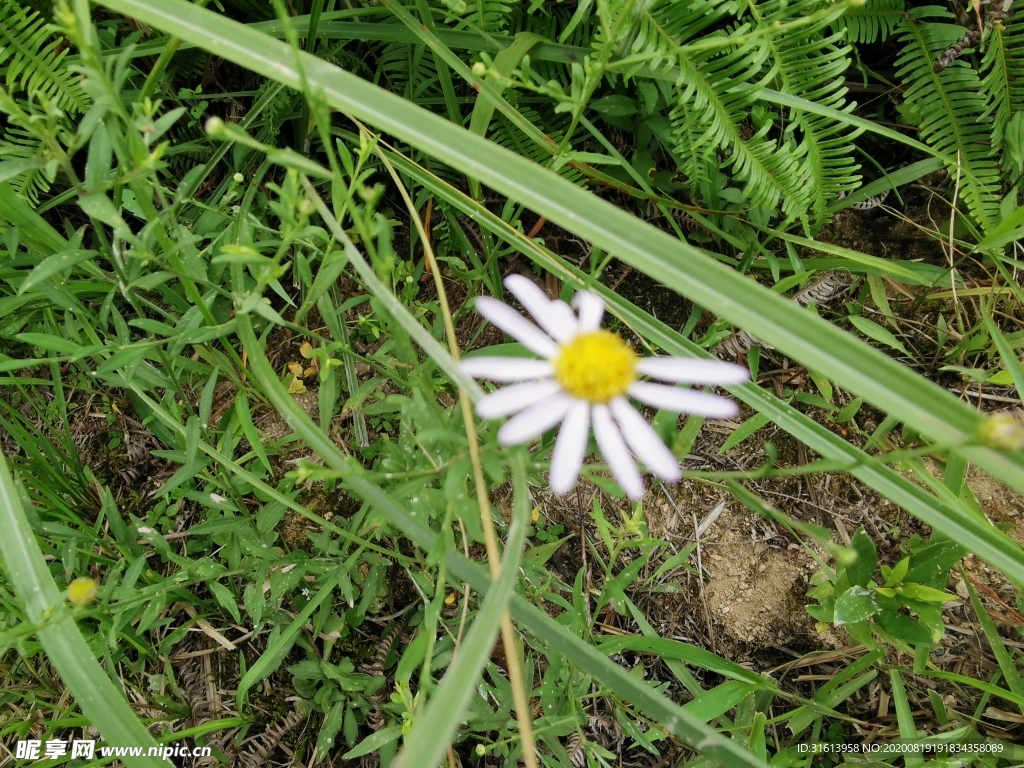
x=597, y=366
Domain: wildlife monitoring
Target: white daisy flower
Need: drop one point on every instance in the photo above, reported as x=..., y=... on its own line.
x=585, y=379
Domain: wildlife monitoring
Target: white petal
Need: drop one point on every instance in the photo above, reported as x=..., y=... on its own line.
x=614, y=450
x=570, y=447
x=568, y=326
x=535, y=420
x=516, y=326
x=683, y=400
x=550, y=315
x=683, y=370
x=644, y=441
x=591, y=311
x=506, y=368
x=513, y=399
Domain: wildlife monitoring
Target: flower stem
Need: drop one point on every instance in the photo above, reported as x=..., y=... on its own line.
x=508, y=638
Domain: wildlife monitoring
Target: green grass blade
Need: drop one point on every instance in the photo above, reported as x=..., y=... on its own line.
x=904, y=715
x=1002, y=654
x=434, y=729
x=35, y=230
x=1010, y=359
x=271, y=659
x=100, y=701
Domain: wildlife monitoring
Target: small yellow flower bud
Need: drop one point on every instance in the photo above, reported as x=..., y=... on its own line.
x=479, y=69
x=214, y=127
x=238, y=178
x=1003, y=432
x=82, y=591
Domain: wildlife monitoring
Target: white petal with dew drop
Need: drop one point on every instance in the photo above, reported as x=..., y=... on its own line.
x=506, y=368
x=516, y=326
x=535, y=420
x=683, y=370
x=644, y=441
x=683, y=400
x=515, y=398
x=591, y=311
x=614, y=450
x=546, y=312
x=570, y=447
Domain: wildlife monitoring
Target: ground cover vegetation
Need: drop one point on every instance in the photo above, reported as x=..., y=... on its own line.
x=246, y=502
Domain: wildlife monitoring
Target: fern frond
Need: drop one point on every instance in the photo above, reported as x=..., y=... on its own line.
x=20, y=144
x=875, y=20
x=549, y=25
x=408, y=70
x=694, y=162
x=658, y=27
x=809, y=63
x=949, y=107
x=1003, y=82
x=502, y=131
x=714, y=93
x=30, y=61
x=713, y=107
x=488, y=16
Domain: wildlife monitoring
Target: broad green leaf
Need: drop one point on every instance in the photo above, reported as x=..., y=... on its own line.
x=249, y=429
x=932, y=561
x=98, y=206
x=855, y=605
x=55, y=264
x=374, y=742
x=225, y=599
x=206, y=399
x=745, y=430
x=328, y=731
x=899, y=571
x=720, y=699
x=873, y=330
x=193, y=431
x=904, y=628
x=863, y=568
x=49, y=342
x=928, y=594
x=11, y=168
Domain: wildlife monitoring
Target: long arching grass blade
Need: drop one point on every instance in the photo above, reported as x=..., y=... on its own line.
x=102, y=703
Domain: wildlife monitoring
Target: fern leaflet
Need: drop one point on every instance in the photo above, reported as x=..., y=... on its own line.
x=949, y=106
x=1003, y=81
x=875, y=20
x=31, y=63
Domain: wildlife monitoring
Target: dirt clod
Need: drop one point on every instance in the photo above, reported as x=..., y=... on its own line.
x=755, y=590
